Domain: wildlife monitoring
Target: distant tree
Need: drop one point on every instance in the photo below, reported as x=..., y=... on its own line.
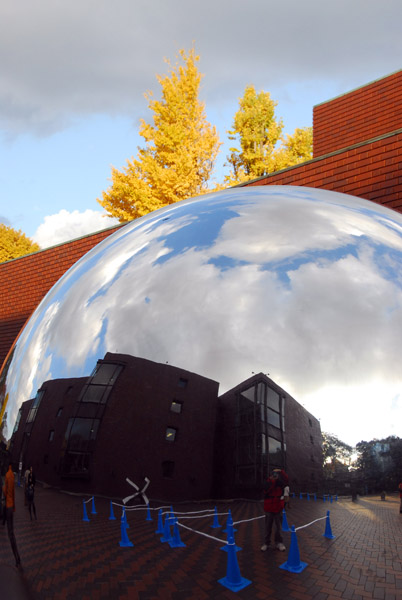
x=261, y=148
x=334, y=448
x=14, y=244
x=257, y=131
x=379, y=463
x=181, y=148
x=295, y=149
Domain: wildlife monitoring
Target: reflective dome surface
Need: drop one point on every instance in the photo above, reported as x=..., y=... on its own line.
x=303, y=284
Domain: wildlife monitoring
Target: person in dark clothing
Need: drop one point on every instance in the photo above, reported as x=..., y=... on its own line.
x=31, y=493
x=8, y=491
x=273, y=507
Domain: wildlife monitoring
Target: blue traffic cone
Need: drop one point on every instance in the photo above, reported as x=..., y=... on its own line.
x=124, y=518
x=111, y=517
x=124, y=542
x=159, y=529
x=229, y=521
x=293, y=563
x=85, y=517
x=230, y=538
x=301, y=496
x=233, y=580
x=176, y=542
x=294, y=495
x=328, y=531
x=323, y=497
x=167, y=535
x=336, y=498
x=149, y=518
x=331, y=500
x=215, y=524
x=285, y=526
x=93, y=511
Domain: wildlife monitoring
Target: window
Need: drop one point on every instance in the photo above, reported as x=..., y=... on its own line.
x=51, y=435
x=171, y=434
x=59, y=412
x=273, y=418
x=35, y=406
x=168, y=468
x=275, y=452
x=176, y=406
x=80, y=432
x=101, y=382
x=183, y=382
x=311, y=439
x=17, y=422
x=310, y=422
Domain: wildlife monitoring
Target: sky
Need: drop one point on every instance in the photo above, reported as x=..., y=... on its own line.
x=73, y=77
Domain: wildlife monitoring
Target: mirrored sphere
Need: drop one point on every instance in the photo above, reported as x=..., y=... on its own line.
x=303, y=284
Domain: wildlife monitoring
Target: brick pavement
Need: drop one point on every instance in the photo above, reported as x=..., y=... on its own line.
x=64, y=557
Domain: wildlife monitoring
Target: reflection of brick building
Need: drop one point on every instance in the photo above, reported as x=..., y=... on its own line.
x=136, y=418
x=357, y=141
x=260, y=427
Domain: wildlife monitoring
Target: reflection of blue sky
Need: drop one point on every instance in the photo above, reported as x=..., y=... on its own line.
x=293, y=282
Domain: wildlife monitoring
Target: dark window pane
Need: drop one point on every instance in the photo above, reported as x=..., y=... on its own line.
x=106, y=373
x=273, y=400
x=273, y=418
x=183, y=382
x=171, y=434
x=176, y=407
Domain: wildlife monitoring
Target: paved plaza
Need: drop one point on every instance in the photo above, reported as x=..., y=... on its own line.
x=65, y=557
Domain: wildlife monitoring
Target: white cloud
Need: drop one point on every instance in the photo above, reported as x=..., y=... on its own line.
x=65, y=226
x=68, y=59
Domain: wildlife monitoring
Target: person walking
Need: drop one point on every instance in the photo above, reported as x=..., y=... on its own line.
x=31, y=493
x=273, y=507
x=9, y=493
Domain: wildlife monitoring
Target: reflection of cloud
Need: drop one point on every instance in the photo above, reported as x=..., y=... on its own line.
x=305, y=285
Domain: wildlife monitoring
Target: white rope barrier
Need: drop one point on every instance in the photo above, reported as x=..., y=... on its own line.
x=211, y=537
x=308, y=524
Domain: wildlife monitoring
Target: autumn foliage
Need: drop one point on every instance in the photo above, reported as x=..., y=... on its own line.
x=181, y=148
x=14, y=244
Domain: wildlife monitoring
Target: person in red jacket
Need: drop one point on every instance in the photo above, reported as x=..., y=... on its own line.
x=273, y=507
x=8, y=491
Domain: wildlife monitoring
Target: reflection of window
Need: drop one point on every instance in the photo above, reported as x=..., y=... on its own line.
x=51, y=435
x=263, y=443
x=59, y=412
x=35, y=406
x=273, y=418
x=80, y=432
x=249, y=394
x=273, y=399
x=275, y=452
x=101, y=382
x=176, y=406
x=17, y=422
x=167, y=468
x=183, y=382
x=171, y=434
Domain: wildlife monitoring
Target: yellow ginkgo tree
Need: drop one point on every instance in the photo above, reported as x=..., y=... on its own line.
x=14, y=244
x=260, y=146
x=181, y=148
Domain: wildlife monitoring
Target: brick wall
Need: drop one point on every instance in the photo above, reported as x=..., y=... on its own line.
x=362, y=114
x=372, y=170
x=25, y=281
